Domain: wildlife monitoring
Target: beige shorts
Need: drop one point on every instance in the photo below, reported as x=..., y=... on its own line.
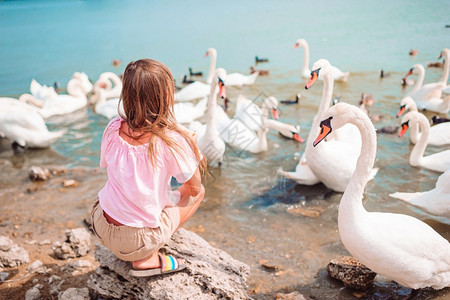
x=131, y=243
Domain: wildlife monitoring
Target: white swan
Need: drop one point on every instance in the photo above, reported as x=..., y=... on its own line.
x=439, y=134
x=338, y=75
x=199, y=89
x=109, y=108
x=187, y=112
x=77, y=88
x=41, y=91
x=113, y=84
x=396, y=246
x=439, y=162
x=334, y=161
x=212, y=146
x=429, y=95
x=435, y=201
x=23, y=126
x=251, y=114
x=287, y=130
x=238, y=79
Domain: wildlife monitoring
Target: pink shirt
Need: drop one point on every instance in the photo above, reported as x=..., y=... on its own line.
x=136, y=193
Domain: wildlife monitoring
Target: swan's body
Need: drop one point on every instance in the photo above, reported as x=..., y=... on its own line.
x=238, y=79
x=435, y=201
x=396, y=246
x=338, y=75
x=199, y=89
x=23, y=125
x=439, y=162
x=187, y=112
x=113, y=84
x=109, y=108
x=334, y=161
x=212, y=146
x=438, y=135
x=41, y=91
x=429, y=95
x=77, y=88
x=251, y=114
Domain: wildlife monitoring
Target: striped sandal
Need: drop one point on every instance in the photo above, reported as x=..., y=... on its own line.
x=169, y=264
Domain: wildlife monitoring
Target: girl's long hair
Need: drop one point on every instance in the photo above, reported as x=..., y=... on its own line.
x=148, y=99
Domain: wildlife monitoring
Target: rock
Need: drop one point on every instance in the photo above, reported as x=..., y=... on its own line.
x=3, y=276
x=311, y=212
x=79, y=264
x=38, y=174
x=210, y=274
x=78, y=243
x=33, y=294
x=270, y=266
x=75, y=294
x=44, y=242
x=70, y=183
x=292, y=296
x=351, y=272
x=11, y=255
x=35, y=267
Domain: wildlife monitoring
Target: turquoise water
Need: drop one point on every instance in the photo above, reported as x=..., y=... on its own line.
x=244, y=212
x=49, y=40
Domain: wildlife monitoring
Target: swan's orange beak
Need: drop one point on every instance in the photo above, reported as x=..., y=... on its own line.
x=206, y=54
x=222, y=93
x=325, y=129
x=297, y=137
x=401, y=111
x=312, y=79
x=405, y=127
x=440, y=56
x=275, y=113
x=102, y=85
x=296, y=46
x=409, y=73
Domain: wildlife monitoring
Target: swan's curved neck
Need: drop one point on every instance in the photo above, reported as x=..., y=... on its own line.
x=211, y=128
x=351, y=206
x=444, y=76
x=30, y=99
x=324, y=104
x=419, y=83
x=419, y=149
x=305, y=59
x=278, y=126
x=212, y=67
x=74, y=88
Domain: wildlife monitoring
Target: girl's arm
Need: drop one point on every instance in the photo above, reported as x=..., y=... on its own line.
x=192, y=187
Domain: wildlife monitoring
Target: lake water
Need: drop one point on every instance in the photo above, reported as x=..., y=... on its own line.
x=244, y=212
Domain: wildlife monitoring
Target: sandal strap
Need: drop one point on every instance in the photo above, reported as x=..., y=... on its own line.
x=168, y=262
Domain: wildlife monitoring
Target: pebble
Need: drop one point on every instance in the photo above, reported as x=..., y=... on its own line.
x=3, y=276
x=38, y=174
x=70, y=183
x=310, y=212
x=33, y=294
x=45, y=242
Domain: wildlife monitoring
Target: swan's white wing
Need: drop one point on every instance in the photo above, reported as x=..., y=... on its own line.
x=193, y=91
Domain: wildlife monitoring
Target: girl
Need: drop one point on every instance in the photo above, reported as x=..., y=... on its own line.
x=136, y=211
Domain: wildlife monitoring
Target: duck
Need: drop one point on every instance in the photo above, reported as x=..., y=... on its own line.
x=438, y=162
x=396, y=246
x=187, y=81
x=209, y=141
x=438, y=134
x=109, y=108
x=384, y=74
x=116, y=62
x=413, y=52
x=198, y=89
x=438, y=120
x=24, y=126
x=261, y=72
x=338, y=75
x=435, y=202
x=113, y=83
x=337, y=155
x=41, y=91
x=367, y=100
x=192, y=73
x=77, y=88
x=251, y=114
x=428, y=96
x=436, y=64
x=260, y=60
x=289, y=101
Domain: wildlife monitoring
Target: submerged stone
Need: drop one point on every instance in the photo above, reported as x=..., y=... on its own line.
x=351, y=272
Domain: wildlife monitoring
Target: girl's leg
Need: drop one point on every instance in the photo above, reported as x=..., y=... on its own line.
x=187, y=207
